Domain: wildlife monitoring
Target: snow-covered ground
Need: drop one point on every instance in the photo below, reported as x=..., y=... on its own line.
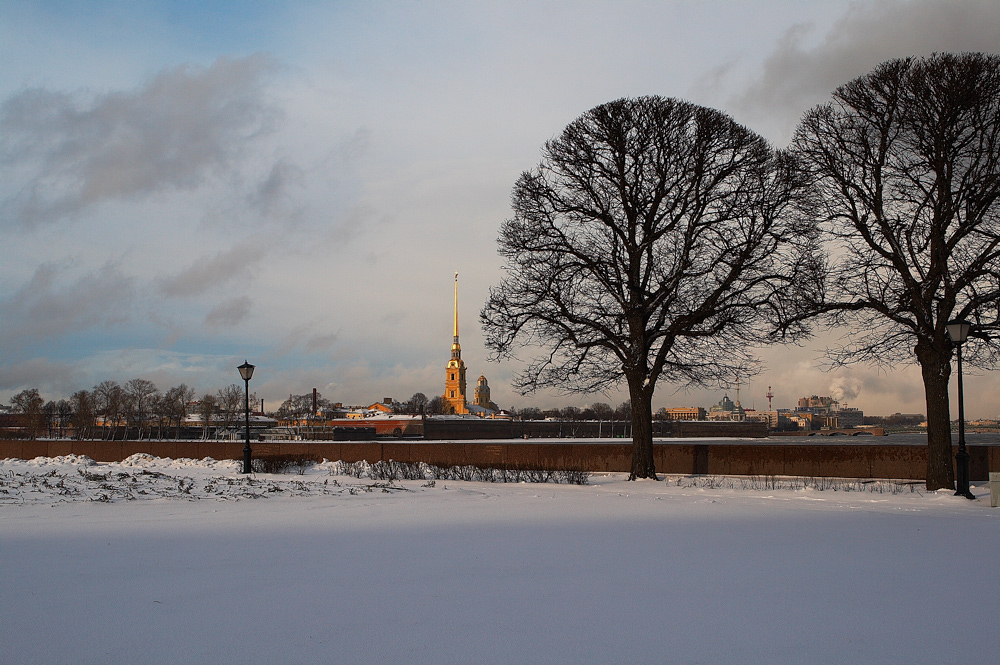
x=185, y=561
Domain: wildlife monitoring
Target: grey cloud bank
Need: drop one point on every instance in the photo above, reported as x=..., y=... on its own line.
x=63, y=152
x=807, y=63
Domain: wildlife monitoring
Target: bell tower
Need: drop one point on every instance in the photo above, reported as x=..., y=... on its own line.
x=453, y=400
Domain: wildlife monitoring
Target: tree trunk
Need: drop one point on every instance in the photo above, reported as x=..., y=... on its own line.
x=936, y=369
x=642, y=430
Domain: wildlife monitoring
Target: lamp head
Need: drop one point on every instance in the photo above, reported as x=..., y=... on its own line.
x=958, y=331
x=246, y=370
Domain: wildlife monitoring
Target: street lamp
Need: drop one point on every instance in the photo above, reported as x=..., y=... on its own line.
x=246, y=371
x=958, y=332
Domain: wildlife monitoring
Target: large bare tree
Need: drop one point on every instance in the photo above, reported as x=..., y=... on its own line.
x=907, y=165
x=653, y=241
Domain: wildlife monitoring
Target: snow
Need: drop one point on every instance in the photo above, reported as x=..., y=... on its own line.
x=187, y=561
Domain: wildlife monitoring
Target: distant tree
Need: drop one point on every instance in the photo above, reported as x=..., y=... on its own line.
x=298, y=407
x=571, y=413
x=418, y=403
x=435, y=404
x=64, y=411
x=624, y=411
x=141, y=396
x=229, y=403
x=654, y=241
x=661, y=414
x=206, y=411
x=109, y=402
x=906, y=161
x=530, y=413
x=156, y=416
x=175, y=406
x=29, y=404
x=84, y=416
x=602, y=410
x=49, y=417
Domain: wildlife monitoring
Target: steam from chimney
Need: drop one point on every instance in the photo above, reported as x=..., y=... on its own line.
x=845, y=388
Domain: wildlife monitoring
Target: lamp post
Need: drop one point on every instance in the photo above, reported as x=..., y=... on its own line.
x=958, y=331
x=246, y=371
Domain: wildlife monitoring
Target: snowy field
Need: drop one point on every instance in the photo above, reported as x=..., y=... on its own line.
x=184, y=561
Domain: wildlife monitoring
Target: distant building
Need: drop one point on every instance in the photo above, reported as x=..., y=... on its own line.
x=846, y=418
x=684, y=413
x=483, y=394
x=816, y=404
x=726, y=409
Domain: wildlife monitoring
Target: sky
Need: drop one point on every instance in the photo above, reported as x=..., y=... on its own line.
x=185, y=185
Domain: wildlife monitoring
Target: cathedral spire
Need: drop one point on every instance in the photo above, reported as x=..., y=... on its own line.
x=454, y=400
x=456, y=308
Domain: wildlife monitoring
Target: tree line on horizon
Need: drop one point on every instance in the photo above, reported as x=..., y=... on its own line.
x=138, y=409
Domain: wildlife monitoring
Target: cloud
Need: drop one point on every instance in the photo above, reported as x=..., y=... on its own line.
x=229, y=313
x=304, y=336
x=37, y=372
x=235, y=263
x=48, y=307
x=272, y=196
x=62, y=153
x=797, y=76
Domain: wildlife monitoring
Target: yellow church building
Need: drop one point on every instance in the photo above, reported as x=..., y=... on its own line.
x=455, y=400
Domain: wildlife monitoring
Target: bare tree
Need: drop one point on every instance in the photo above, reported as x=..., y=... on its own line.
x=207, y=410
x=64, y=411
x=418, y=403
x=299, y=407
x=50, y=417
x=434, y=405
x=29, y=404
x=602, y=410
x=84, y=414
x=652, y=242
x=229, y=401
x=530, y=413
x=141, y=395
x=175, y=406
x=109, y=402
x=907, y=164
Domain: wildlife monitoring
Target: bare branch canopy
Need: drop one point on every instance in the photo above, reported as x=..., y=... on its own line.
x=656, y=239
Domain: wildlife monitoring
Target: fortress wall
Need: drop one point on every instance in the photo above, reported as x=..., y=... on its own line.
x=746, y=459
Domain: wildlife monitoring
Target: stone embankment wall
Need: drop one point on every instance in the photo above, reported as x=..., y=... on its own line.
x=450, y=429
x=752, y=459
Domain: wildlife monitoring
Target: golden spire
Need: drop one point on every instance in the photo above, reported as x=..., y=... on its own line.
x=455, y=343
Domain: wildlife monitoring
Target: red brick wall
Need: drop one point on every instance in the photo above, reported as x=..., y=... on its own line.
x=851, y=461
